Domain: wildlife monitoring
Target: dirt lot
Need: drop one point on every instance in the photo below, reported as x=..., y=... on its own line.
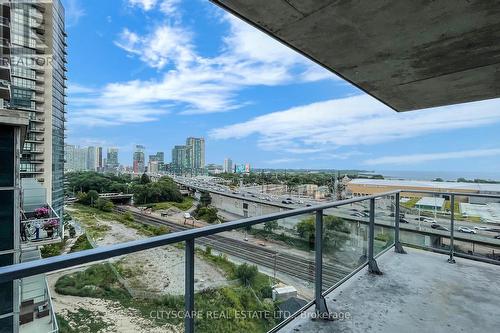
x=154, y=272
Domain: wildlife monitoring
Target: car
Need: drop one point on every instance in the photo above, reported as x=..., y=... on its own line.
x=403, y=220
x=187, y=215
x=284, y=202
x=467, y=230
x=429, y=220
x=481, y=228
x=438, y=227
x=497, y=237
x=308, y=205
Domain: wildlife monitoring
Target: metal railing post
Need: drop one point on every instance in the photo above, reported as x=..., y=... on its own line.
x=451, y=259
x=372, y=263
x=398, y=248
x=321, y=308
x=189, y=287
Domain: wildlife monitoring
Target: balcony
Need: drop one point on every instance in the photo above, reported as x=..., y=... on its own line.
x=5, y=68
x=37, y=129
x=5, y=25
x=39, y=99
x=39, y=89
x=4, y=89
x=346, y=262
x=36, y=313
x=40, y=226
x=5, y=46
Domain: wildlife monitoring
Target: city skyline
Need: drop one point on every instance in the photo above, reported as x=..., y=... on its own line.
x=272, y=107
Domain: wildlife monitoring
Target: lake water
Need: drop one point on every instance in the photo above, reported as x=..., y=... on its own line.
x=446, y=175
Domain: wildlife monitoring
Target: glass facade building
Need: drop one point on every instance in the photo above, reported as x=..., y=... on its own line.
x=38, y=86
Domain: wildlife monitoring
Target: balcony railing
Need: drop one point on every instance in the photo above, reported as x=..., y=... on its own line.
x=40, y=225
x=368, y=210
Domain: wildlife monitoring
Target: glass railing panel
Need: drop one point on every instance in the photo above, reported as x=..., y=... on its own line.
x=385, y=210
x=142, y=291
x=254, y=277
x=345, y=241
x=475, y=227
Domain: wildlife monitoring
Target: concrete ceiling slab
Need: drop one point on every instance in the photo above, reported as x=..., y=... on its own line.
x=409, y=54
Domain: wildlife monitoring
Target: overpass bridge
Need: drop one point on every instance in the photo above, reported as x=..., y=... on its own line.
x=118, y=198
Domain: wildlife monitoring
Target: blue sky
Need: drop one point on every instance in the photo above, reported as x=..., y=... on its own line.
x=154, y=72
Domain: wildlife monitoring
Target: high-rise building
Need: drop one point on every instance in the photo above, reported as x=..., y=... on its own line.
x=158, y=157
x=75, y=158
x=228, y=165
x=100, y=164
x=38, y=62
x=138, y=160
x=94, y=159
x=112, y=159
x=31, y=155
x=181, y=159
x=197, y=154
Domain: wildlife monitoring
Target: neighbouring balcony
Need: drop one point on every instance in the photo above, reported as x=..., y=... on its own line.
x=36, y=312
x=40, y=225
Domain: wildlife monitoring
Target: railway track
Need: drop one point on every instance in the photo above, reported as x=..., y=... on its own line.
x=290, y=264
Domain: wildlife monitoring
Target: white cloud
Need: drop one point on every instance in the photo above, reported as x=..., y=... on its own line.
x=144, y=4
x=170, y=7
x=187, y=81
x=166, y=45
x=356, y=120
x=73, y=12
x=75, y=89
x=420, y=158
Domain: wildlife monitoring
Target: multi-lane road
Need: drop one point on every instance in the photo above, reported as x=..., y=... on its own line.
x=383, y=211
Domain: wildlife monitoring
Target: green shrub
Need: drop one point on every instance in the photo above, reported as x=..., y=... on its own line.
x=247, y=273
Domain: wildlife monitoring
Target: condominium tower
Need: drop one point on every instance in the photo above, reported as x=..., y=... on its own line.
x=38, y=63
x=139, y=159
x=112, y=159
x=197, y=154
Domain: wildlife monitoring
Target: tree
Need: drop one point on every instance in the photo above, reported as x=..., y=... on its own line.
x=104, y=204
x=205, y=199
x=305, y=228
x=269, y=226
x=92, y=196
x=247, y=273
x=208, y=214
x=335, y=231
x=145, y=179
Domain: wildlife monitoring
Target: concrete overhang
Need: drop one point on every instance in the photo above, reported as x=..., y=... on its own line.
x=15, y=118
x=408, y=54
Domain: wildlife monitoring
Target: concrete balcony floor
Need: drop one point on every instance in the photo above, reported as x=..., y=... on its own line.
x=419, y=292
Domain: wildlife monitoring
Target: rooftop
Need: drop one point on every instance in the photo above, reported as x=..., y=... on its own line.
x=418, y=292
x=421, y=183
x=431, y=201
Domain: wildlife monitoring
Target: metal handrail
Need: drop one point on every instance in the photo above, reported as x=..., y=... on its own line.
x=47, y=265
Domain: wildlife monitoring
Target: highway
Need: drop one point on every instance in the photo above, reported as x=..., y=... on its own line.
x=346, y=212
x=287, y=263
